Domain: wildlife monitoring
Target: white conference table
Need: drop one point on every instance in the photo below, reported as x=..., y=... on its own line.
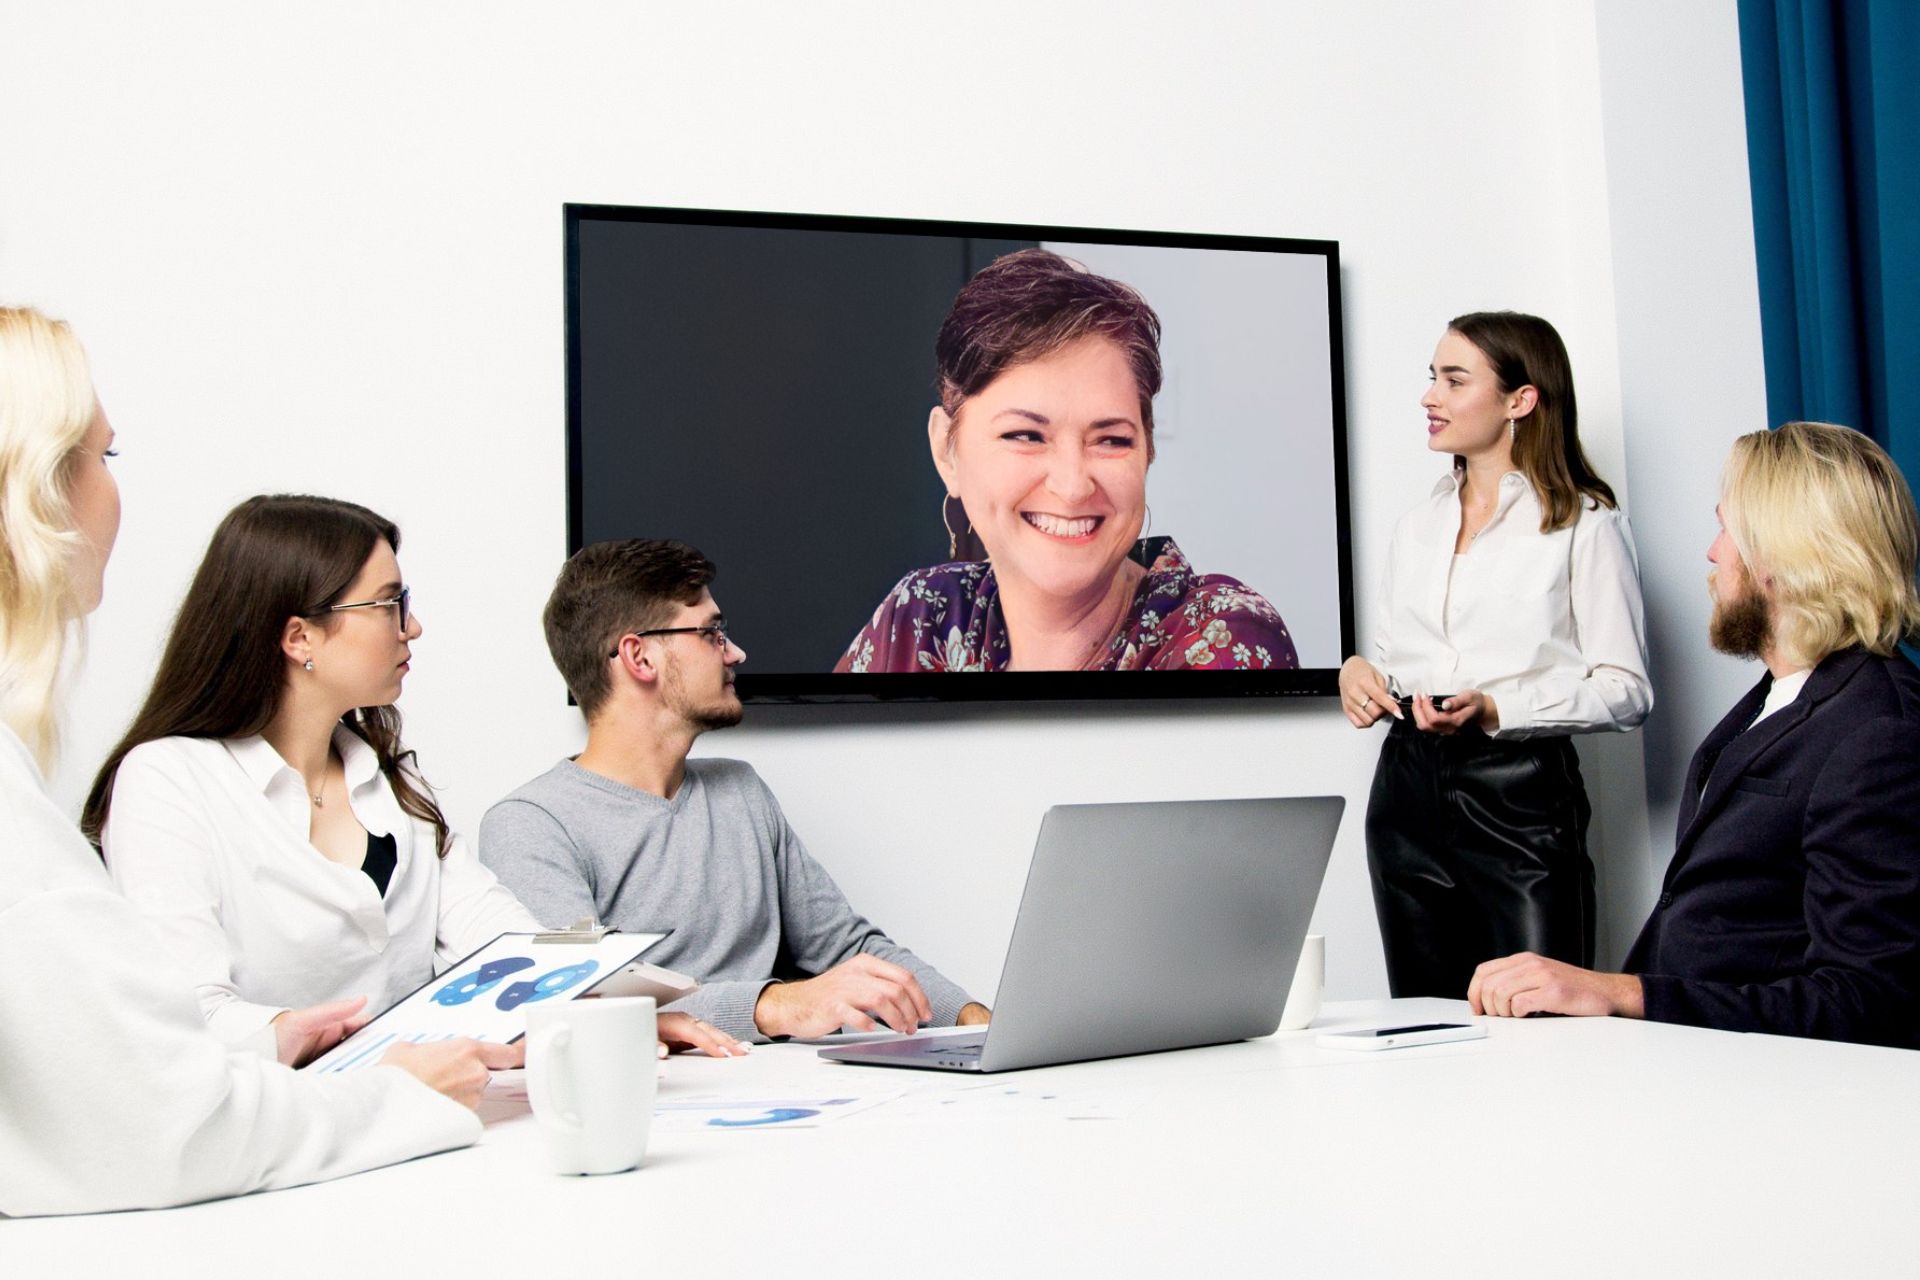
x=1556, y=1147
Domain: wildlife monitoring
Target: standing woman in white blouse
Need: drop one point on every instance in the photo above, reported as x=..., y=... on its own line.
x=262, y=812
x=1512, y=620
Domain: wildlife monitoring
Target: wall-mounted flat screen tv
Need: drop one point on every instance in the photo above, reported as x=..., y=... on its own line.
x=962, y=461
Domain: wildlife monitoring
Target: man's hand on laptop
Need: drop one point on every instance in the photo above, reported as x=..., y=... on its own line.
x=862, y=993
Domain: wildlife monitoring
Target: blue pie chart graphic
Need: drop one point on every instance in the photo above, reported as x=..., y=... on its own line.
x=481, y=980
x=774, y=1115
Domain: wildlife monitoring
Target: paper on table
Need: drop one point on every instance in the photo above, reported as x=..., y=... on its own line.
x=768, y=1113
x=507, y=1094
x=993, y=1098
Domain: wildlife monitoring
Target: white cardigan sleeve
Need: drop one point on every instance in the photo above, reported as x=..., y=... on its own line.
x=117, y=1097
x=160, y=851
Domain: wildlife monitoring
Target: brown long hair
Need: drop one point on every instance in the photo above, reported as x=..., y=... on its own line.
x=1526, y=351
x=274, y=557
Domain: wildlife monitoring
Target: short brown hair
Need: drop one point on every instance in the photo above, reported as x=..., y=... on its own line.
x=1029, y=304
x=1823, y=515
x=1526, y=351
x=605, y=591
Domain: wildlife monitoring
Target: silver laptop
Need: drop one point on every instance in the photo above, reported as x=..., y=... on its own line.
x=1144, y=927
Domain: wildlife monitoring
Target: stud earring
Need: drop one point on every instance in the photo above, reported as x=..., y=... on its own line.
x=309, y=664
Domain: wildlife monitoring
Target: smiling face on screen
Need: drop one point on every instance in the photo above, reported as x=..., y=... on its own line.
x=1050, y=461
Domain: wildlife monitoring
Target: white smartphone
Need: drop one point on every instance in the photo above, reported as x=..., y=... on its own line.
x=1402, y=1037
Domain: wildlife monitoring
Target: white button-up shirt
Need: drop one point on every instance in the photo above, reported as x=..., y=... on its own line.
x=115, y=1096
x=209, y=839
x=1549, y=625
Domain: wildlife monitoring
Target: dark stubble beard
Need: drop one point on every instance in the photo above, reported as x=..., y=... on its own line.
x=717, y=715
x=1741, y=626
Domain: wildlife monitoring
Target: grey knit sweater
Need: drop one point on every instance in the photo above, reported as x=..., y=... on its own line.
x=717, y=864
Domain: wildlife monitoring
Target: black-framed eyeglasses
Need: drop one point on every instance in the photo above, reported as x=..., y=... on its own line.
x=715, y=632
x=401, y=605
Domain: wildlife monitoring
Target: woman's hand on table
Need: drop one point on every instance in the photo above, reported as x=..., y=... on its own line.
x=679, y=1031
x=1364, y=695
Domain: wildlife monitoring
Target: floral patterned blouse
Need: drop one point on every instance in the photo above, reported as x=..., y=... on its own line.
x=947, y=618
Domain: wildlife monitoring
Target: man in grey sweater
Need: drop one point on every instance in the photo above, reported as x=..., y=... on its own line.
x=634, y=833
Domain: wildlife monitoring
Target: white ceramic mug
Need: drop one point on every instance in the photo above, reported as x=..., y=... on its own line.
x=1309, y=979
x=591, y=1079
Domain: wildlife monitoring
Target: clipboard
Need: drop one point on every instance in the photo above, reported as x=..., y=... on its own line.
x=481, y=996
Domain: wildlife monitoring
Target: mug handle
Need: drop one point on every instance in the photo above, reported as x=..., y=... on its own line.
x=546, y=1052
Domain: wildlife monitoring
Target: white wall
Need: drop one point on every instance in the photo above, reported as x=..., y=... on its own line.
x=1247, y=393
x=1692, y=377
x=319, y=249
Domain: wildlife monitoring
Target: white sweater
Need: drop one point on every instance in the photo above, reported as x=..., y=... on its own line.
x=113, y=1093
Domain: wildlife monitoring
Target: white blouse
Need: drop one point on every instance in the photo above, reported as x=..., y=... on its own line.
x=115, y=1095
x=1549, y=625
x=208, y=838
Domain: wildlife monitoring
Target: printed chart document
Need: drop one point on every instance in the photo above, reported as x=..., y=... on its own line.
x=481, y=997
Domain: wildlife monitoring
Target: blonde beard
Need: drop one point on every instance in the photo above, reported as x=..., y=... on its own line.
x=1742, y=626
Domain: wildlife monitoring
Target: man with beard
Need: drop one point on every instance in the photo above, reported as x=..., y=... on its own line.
x=1792, y=903
x=643, y=839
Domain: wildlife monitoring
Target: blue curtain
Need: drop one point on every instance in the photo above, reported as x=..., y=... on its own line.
x=1833, y=143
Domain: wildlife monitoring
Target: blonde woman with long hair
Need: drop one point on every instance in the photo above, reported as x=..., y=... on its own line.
x=117, y=1096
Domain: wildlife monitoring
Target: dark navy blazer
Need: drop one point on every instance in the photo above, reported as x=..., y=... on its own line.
x=1792, y=904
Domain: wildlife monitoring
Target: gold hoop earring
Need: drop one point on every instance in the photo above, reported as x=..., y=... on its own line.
x=953, y=539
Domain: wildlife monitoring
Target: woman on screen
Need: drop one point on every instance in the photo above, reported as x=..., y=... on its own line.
x=262, y=812
x=1512, y=620
x=116, y=1095
x=1043, y=436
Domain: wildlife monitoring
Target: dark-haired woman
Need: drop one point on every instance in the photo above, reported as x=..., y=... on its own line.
x=1512, y=619
x=114, y=1094
x=1043, y=434
x=261, y=811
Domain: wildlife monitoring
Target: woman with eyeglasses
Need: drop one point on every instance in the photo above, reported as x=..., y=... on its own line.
x=262, y=812
x=113, y=1094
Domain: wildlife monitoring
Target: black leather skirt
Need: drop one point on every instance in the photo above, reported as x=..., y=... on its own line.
x=1478, y=849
